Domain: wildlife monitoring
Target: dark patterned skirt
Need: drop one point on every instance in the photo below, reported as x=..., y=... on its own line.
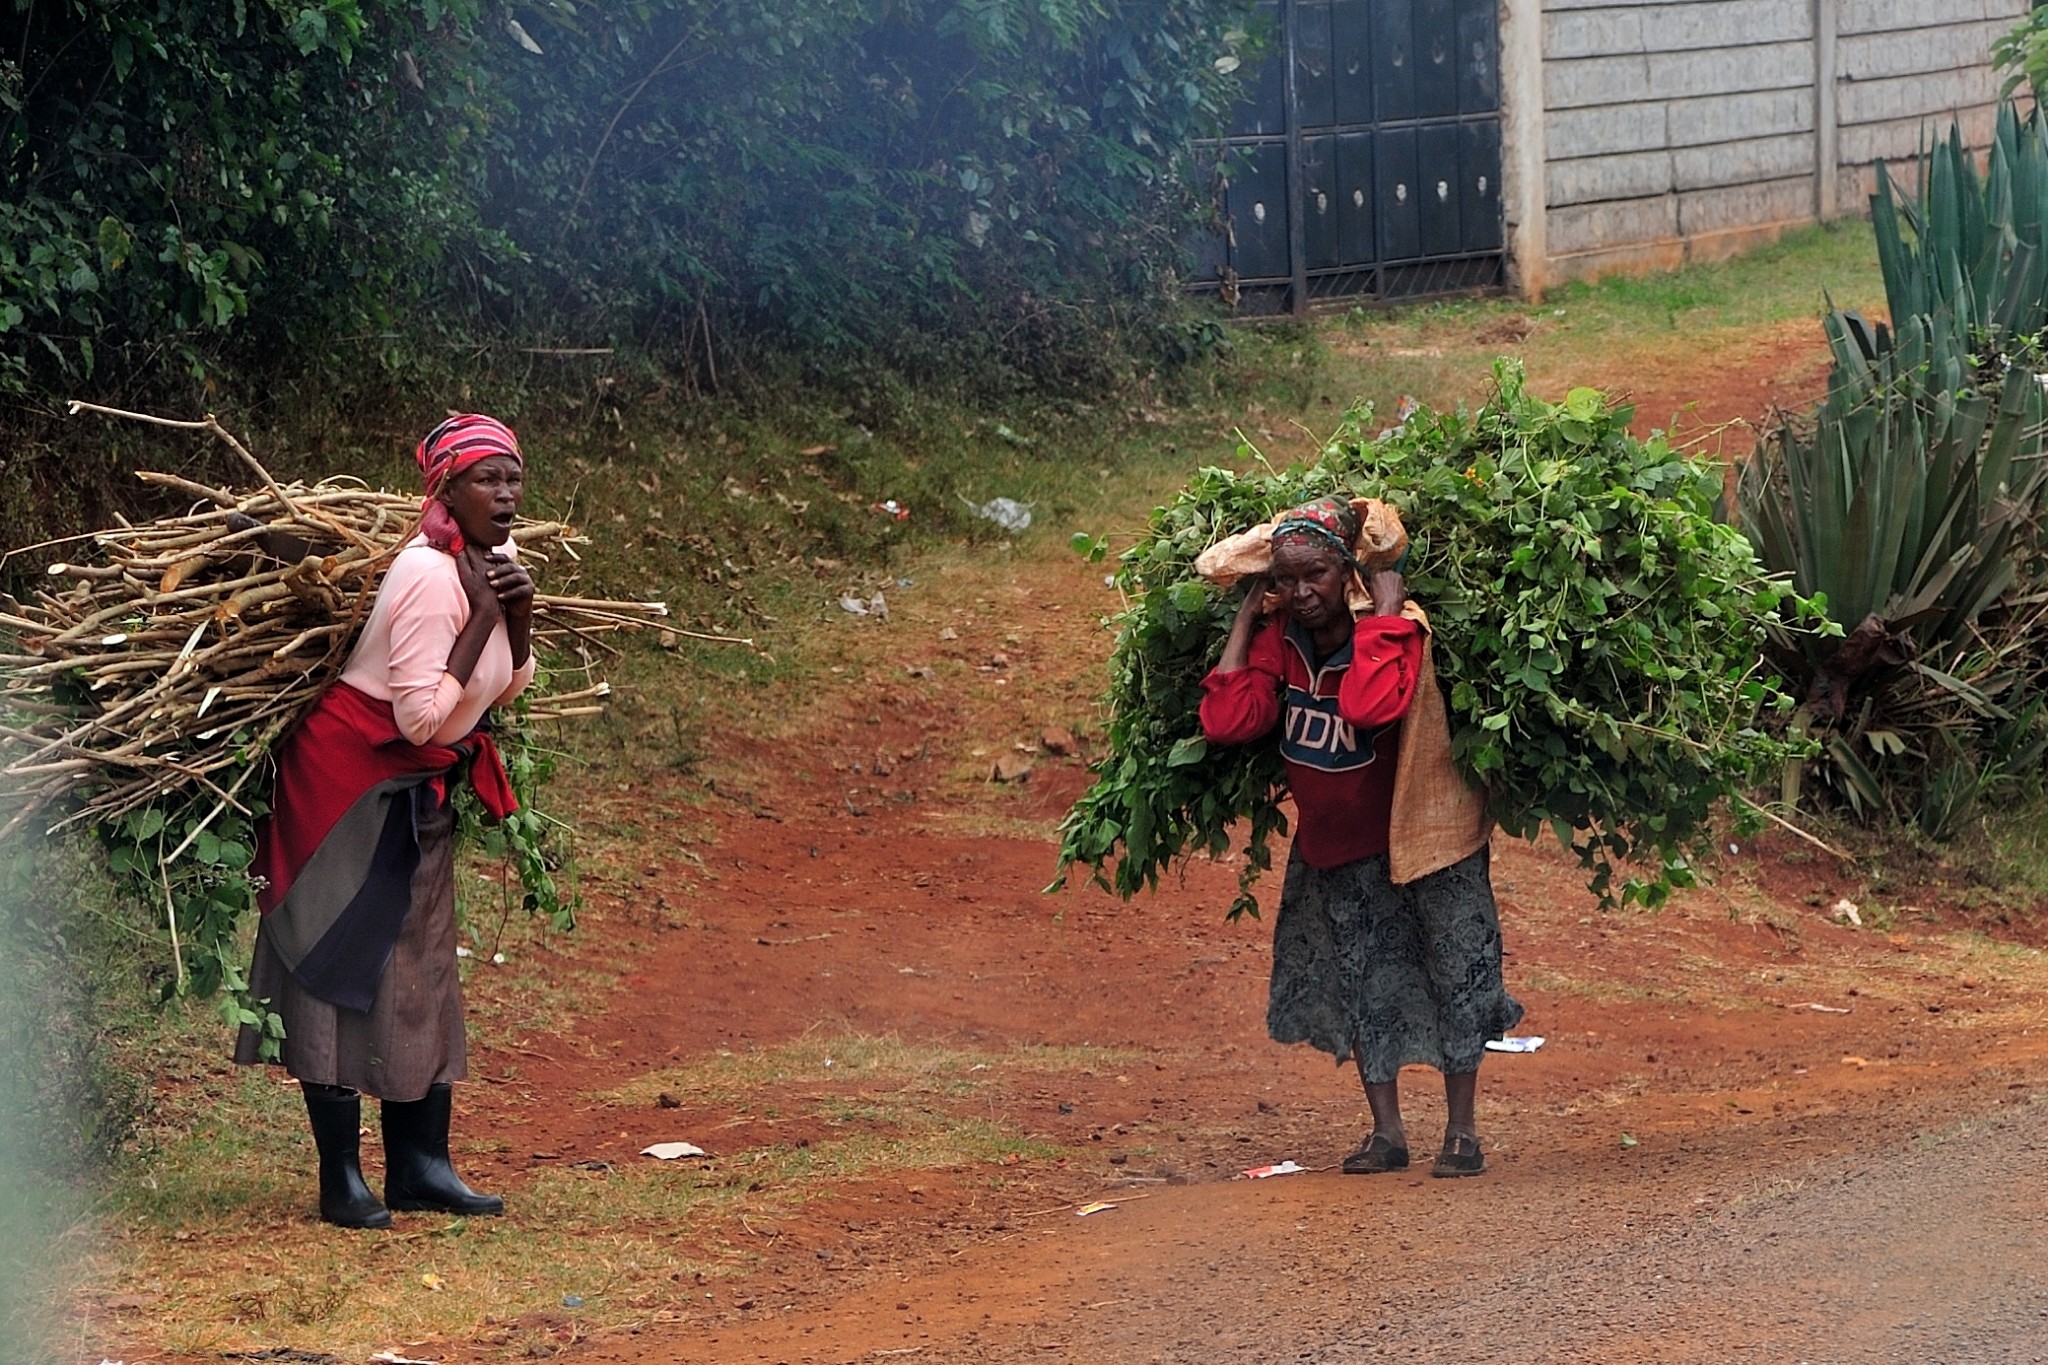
x=412, y=1036
x=1402, y=975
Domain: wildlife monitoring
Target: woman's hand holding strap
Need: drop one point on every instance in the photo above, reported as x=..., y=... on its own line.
x=1237, y=649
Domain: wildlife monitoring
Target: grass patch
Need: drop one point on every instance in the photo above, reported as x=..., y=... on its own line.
x=907, y=1069
x=1791, y=278
x=628, y=1243
x=1542, y=981
x=1609, y=333
x=212, y=1221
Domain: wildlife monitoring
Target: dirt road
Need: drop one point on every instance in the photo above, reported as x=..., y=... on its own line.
x=1754, y=1133
x=1798, y=1183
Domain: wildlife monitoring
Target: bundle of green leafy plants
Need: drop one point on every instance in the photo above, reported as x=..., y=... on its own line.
x=1598, y=634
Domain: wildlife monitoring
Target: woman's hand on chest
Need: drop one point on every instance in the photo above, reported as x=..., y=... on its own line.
x=512, y=586
x=478, y=588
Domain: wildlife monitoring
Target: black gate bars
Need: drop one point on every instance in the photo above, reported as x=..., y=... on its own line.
x=1386, y=116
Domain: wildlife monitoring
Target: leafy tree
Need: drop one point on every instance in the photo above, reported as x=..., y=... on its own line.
x=176, y=170
x=840, y=166
x=260, y=180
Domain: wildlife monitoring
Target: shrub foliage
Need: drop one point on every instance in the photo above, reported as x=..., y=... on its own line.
x=210, y=180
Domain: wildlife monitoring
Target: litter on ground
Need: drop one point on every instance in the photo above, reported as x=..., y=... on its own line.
x=1008, y=513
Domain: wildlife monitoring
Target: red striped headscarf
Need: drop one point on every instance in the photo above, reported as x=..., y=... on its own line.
x=450, y=448
x=1331, y=522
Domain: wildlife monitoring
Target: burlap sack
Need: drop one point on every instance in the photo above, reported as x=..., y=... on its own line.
x=1381, y=542
x=1438, y=819
x=1382, y=539
x=1237, y=557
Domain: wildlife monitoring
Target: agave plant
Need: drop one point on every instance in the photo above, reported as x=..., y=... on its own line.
x=1911, y=499
x=1904, y=501
x=1913, y=513
x=1968, y=250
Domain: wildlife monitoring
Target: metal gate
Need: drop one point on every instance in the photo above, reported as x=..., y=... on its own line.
x=1386, y=116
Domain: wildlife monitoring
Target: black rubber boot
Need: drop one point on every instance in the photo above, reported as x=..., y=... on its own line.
x=336, y=1114
x=417, y=1174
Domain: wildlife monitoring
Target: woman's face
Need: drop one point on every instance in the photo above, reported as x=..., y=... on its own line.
x=484, y=499
x=1310, y=579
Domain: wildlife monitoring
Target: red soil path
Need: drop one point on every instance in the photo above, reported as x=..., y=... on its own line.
x=1756, y=1208
x=1687, y=1031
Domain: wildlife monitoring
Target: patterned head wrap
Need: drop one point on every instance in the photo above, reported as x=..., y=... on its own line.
x=1331, y=522
x=449, y=449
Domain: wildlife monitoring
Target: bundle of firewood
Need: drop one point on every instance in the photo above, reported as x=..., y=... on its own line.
x=184, y=647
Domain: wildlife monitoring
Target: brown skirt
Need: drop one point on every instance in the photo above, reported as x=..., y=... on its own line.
x=412, y=1038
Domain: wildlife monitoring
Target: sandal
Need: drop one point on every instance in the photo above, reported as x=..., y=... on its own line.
x=1376, y=1156
x=1461, y=1156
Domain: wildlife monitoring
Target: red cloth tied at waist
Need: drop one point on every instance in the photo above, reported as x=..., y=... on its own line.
x=348, y=744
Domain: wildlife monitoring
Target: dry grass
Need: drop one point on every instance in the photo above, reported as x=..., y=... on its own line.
x=903, y=1069
x=212, y=1230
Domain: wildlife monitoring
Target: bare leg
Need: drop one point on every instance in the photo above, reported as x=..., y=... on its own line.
x=1461, y=1095
x=1384, y=1099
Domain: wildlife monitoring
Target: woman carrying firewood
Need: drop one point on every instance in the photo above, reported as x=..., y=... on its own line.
x=1386, y=948
x=356, y=950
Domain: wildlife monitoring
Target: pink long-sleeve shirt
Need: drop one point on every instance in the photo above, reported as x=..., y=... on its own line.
x=402, y=655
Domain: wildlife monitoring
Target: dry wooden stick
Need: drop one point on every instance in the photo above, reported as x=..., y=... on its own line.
x=208, y=423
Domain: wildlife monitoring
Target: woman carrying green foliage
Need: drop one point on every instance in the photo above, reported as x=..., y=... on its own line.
x=1387, y=944
x=356, y=951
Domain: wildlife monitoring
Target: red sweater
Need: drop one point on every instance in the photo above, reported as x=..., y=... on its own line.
x=1342, y=719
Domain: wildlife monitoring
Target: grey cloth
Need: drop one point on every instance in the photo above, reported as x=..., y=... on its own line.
x=1406, y=975
x=412, y=1037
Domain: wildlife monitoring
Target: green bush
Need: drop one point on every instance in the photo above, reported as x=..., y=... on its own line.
x=2022, y=53
x=238, y=183
x=1598, y=636
x=180, y=173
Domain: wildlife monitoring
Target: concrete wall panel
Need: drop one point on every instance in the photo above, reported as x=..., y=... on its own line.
x=1885, y=16
x=1589, y=227
x=1573, y=133
x=1743, y=163
x=1741, y=206
x=1683, y=129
